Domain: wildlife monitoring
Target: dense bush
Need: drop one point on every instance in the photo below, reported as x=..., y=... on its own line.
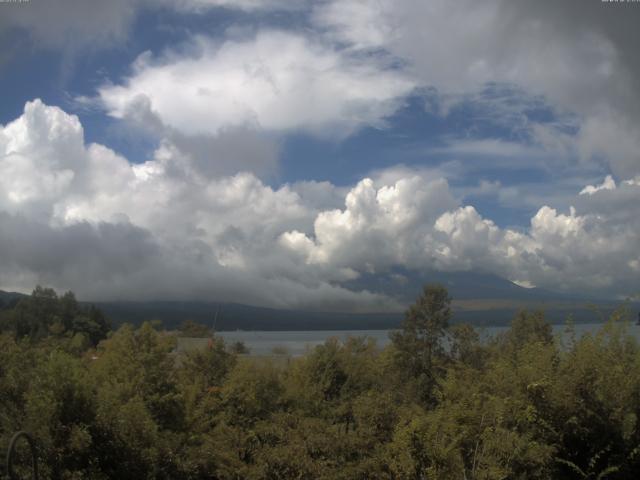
x=437, y=403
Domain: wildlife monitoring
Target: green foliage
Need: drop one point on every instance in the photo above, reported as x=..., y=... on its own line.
x=435, y=404
x=239, y=348
x=45, y=315
x=189, y=328
x=529, y=327
x=418, y=346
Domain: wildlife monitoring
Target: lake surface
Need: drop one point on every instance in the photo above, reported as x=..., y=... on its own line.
x=299, y=342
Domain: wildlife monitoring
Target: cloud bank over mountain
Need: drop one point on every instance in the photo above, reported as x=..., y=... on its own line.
x=294, y=146
x=82, y=217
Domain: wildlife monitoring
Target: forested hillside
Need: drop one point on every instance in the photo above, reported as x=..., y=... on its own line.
x=436, y=403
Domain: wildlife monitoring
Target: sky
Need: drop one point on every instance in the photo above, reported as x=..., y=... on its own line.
x=271, y=152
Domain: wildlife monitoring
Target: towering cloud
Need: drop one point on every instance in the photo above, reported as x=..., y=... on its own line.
x=71, y=212
x=539, y=88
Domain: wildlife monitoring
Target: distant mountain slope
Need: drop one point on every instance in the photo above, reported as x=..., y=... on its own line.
x=232, y=316
x=479, y=299
x=245, y=317
x=6, y=297
x=407, y=285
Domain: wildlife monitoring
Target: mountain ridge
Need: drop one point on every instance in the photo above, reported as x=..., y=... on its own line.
x=478, y=298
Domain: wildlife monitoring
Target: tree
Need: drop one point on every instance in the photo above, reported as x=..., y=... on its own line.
x=189, y=328
x=239, y=348
x=465, y=346
x=43, y=314
x=529, y=327
x=36, y=313
x=419, y=342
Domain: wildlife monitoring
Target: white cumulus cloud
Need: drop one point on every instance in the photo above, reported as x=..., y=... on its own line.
x=608, y=184
x=70, y=212
x=274, y=81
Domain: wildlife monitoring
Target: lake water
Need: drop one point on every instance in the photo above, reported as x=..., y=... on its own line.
x=299, y=342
